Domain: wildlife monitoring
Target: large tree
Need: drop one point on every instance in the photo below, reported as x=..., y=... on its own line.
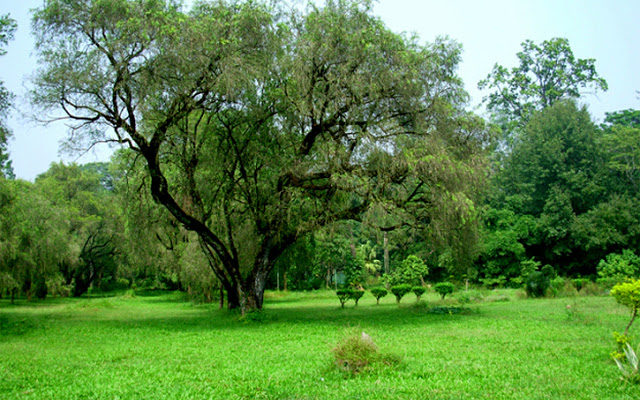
x=255, y=127
x=545, y=73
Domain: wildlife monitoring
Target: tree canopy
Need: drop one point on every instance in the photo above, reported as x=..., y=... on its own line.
x=546, y=73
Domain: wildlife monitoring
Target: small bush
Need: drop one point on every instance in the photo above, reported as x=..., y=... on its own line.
x=418, y=291
x=399, y=291
x=378, y=293
x=343, y=295
x=536, y=283
x=356, y=295
x=444, y=288
x=606, y=284
x=561, y=287
x=357, y=352
x=592, y=289
x=628, y=294
x=579, y=283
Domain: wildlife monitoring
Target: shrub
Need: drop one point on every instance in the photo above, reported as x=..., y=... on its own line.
x=492, y=283
x=579, y=283
x=418, y=291
x=607, y=283
x=561, y=287
x=629, y=365
x=356, y=295
x=536, y=283
x=619, y=266
x=399, y=291
x=410, y=272
x=378, y=293
x=444, y=288
x=343, y=295
x=628, y=294
x=357, y=352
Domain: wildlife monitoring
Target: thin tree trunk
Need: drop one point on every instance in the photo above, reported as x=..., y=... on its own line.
x=385, y=245
x=633, y=317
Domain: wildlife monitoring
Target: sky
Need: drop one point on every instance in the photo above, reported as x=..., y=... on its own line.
x=490, y=32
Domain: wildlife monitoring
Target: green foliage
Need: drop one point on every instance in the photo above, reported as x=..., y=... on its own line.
x=411, y=271
x=546, y=74
x=7, y=29
x=628, y=294
x=629, y=366
x=493, y=283
x=579, y=283
x=621, y=341
x=536, y=281
x=378, y=293
x=252, y=135
x=619, y=266
x=344, y=295
x=356, y=294
x=444, y=288
x=418, y=291
x=400, y=290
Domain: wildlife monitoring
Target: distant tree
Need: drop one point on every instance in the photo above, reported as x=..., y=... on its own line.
x=411, y=271
x=95, y=224
x=34, y=238
x=378, y=293
x=444, y=288
x=546, y=73
x=621, y=145
x=629, y=118
x=7, y=29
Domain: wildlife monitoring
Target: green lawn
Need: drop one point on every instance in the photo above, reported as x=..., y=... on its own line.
x=160, y=347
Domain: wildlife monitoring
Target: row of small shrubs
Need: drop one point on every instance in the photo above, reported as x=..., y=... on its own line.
x=399, y=291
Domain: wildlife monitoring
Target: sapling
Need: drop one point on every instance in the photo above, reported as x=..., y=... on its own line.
x=444, y=288
x=378, y=293
x=418, y=291
x=343, y=295
x=356, y=295
x=399, y=291
x=628, y=294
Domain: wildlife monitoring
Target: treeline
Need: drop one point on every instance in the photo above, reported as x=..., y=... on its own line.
x=566, y=195
x=282, y=149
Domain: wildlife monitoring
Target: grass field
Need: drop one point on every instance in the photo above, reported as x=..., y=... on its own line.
x=161, y=347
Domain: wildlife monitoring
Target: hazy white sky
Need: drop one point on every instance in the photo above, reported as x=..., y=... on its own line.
x=489, y=30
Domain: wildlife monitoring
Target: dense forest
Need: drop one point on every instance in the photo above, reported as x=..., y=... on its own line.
x=263, y=148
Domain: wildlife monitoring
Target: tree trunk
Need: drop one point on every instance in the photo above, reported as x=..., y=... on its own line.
x=252, y=294
x=233, y=298
x=633, y=317
x=385, y=246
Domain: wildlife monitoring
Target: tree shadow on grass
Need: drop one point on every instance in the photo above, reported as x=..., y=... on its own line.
x=137, y=315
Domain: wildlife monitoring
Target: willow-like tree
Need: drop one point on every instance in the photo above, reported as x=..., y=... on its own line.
x=258, y=126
